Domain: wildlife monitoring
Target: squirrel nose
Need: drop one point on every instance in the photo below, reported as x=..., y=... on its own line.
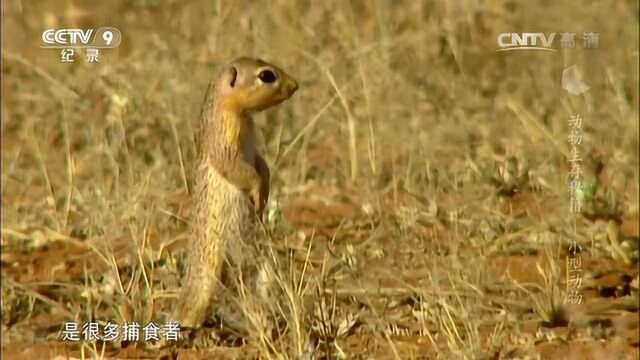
x=293, y=86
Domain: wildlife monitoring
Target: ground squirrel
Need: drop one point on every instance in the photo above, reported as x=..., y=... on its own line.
x=231, y=179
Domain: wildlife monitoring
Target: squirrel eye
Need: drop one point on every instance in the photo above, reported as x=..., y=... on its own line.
x=267, y=76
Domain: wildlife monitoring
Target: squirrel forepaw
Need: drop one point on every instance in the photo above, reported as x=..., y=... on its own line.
x=257, y=202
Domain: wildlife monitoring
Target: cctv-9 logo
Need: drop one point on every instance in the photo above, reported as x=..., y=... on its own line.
x=105, y=37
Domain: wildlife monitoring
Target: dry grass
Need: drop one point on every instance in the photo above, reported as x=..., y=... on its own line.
x=419, y=178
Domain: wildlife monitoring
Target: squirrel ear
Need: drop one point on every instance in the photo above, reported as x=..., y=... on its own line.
x=230, y=75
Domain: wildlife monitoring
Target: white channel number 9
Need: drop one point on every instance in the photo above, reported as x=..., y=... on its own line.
x=108, y=37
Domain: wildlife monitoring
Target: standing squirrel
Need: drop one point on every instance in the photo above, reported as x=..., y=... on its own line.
x=231, y=181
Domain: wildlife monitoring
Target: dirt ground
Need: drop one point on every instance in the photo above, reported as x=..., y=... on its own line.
x=420, y=189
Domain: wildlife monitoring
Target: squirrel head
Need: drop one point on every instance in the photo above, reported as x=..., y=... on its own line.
x=248, y=84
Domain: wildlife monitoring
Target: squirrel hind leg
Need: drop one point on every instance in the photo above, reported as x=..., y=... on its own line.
x=195, y=299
